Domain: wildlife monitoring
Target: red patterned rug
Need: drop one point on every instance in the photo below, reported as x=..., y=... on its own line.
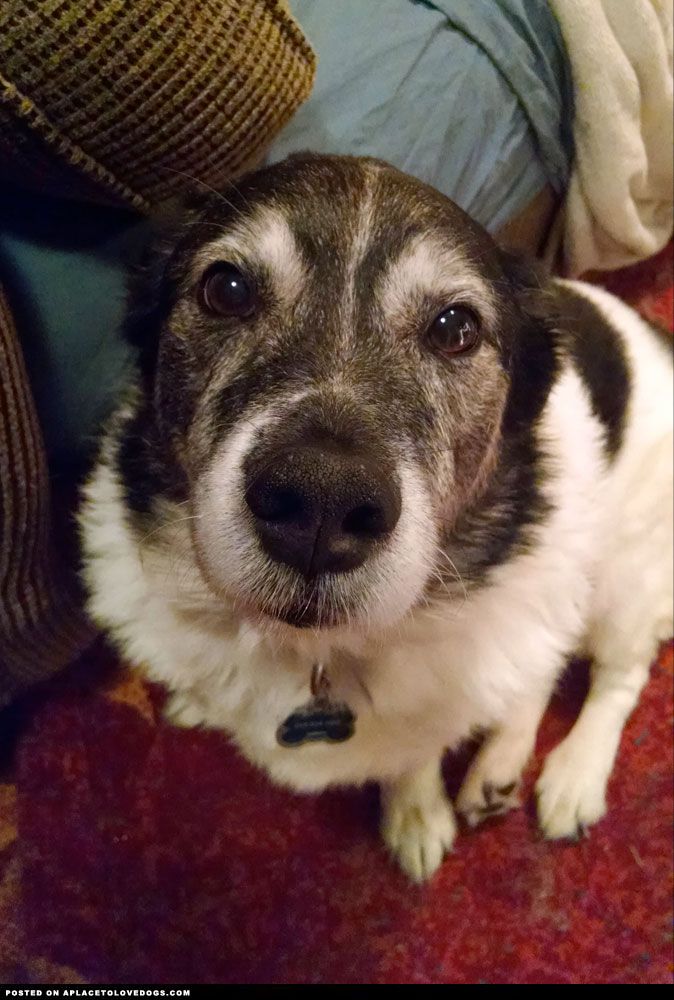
x=132, y=852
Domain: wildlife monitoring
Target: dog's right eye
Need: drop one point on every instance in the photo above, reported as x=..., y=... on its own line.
x=224, y=291
x=454, y=331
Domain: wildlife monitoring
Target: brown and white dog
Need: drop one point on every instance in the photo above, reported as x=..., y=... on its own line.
x=374, y=484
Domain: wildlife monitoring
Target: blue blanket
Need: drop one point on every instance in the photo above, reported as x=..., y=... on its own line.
x=472, y=96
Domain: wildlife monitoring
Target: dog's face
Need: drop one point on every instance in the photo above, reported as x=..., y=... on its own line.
x=333, y=371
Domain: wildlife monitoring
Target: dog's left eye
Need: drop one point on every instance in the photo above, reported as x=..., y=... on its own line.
x=225, y=291
x=454, y=331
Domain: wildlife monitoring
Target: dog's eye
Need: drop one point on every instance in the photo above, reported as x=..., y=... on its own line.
x=454, y=331
x=226, y=292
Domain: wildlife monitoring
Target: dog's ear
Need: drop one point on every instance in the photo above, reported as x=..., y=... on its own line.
x=534, y=360
x=149, y=289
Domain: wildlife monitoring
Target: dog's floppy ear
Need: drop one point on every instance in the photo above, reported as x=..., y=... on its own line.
x=149, y=290
x=534, y=357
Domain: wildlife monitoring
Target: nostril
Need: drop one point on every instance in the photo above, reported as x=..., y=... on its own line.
x=279, y=505
x=283, y=505
x=365, y=521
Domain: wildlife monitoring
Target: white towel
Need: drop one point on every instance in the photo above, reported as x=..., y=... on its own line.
x=618, y=207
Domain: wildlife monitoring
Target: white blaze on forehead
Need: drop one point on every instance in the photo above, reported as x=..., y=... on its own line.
x=263, y=239
x=426, y=266
x=358, y=247
x=361, y=239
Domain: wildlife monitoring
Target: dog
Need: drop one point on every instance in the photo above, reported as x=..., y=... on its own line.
x=375, y=482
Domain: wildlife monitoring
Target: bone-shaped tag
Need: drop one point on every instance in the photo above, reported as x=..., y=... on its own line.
x=321, y=719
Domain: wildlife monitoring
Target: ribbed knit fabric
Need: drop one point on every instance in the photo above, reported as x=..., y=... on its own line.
x=121, y=99
x=41, y=625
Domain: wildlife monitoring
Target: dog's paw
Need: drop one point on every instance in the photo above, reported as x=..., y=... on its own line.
x=571, y=794
x=492, y=785
x=481, y=798
x=419, y=834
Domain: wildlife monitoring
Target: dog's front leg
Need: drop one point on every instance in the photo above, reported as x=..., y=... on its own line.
x=418, y=822
x=492, y=783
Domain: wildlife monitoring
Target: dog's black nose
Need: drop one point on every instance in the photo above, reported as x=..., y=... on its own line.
x=322, y=509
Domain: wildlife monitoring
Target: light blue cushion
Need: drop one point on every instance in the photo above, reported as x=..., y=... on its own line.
x=473, y=97
x=64, y=266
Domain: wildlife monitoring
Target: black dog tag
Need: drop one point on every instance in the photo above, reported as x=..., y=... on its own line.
x=321, y=719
